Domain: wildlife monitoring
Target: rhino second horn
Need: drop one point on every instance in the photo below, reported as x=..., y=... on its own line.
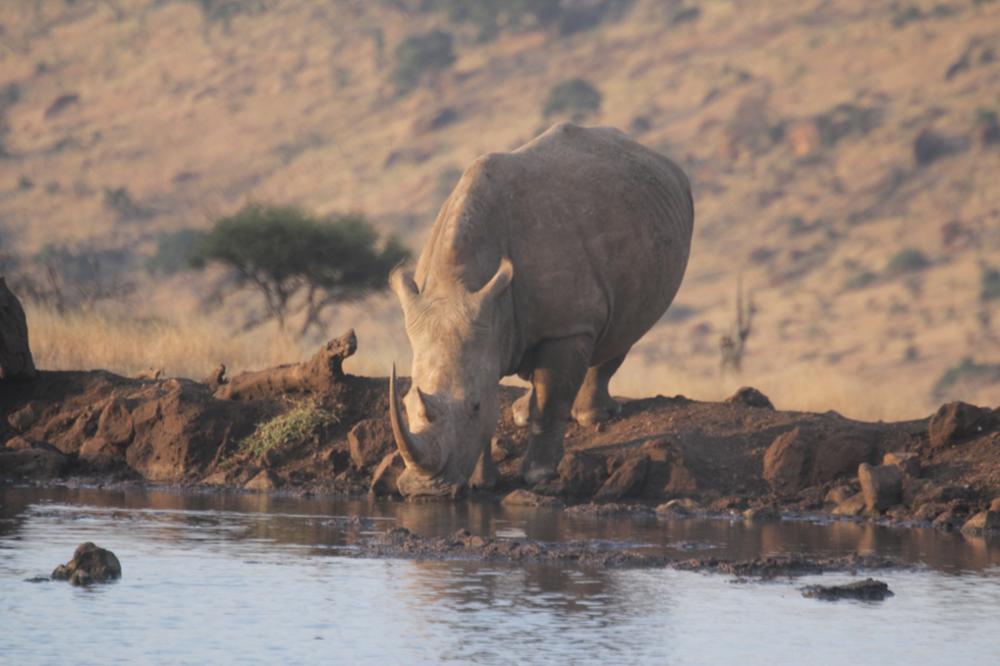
x=404, y=441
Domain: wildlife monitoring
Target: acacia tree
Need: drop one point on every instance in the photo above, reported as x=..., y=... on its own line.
x=281, y=251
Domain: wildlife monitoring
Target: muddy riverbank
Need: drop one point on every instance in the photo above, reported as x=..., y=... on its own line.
x=312, y=428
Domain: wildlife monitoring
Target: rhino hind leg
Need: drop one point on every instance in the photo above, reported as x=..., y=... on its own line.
x=594, y=403
x=560, y=367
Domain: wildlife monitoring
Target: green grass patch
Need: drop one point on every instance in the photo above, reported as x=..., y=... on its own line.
x=303, y=423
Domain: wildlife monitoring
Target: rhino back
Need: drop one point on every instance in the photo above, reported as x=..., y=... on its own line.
x=598, y=228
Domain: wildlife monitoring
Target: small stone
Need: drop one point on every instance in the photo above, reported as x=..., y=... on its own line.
x=522, y=497
x=501, y=449
x=784, y=462
x=882, y=486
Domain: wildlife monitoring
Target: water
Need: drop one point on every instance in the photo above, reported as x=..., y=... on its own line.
x=258, y=579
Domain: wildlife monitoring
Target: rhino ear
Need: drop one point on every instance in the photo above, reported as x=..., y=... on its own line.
x=497, y=284
x=402, y=284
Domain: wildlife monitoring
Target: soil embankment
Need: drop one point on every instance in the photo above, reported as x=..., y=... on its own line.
x=688, y=457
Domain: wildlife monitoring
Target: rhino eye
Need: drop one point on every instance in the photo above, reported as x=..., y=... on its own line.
x=475, y=408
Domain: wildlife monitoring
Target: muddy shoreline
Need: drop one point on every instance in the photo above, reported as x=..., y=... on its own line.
x=675, y=456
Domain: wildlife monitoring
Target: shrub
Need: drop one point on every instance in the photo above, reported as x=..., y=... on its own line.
x=860, y=280
x=303, y=423
x=907, y=260
x=281, y=251
x=68, y=278
x=989, y=283
x=175, y=251
x=419, y=55
x=575, y=97
x=120, y=201
x=846, y=119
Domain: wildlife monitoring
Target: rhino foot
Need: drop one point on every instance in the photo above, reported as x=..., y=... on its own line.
x=593, y=415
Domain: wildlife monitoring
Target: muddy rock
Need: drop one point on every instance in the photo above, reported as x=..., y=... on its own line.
x=386, y=476
x=15, y=354
x=837, y=455
x=838, y=494
x=581, y=474
x=369, y=442
x=882, y=486
x=264, y=480
x=862, y=590
x=957, y=421
x=762, y=514
x=90, y=564
x=851, y=506
x=908, y=462
x=523, y=497
x=785, y=462
x=32, y=463
x=984, y=522
x=679, y=508
x=750, y=397
x=501, y=449
x=626, y=481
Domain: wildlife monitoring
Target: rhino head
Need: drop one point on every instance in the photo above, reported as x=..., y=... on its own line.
x=454, y=399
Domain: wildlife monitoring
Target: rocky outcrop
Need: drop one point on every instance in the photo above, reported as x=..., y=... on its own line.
x=90, y=564
x=957, y=421
x=15, y=353
x=797, y=459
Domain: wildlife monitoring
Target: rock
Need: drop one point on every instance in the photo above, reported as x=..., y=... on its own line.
x=995, y=505
x=949, y=519
x=581, y=474
x=115, y=423
x=90, y=564
x=785, y=461
x=523, y=497
x=627, y=480
x=668, y=472
x=851, y=506
x=882, y=486
x=33, y=463
x=19, y=443
x=15, y=353
x=216, y=378
x=762, y=514
x=750, y=397
x=265, y=480
x=863, y=590
x=501, y=449
x=838, y=494
x=982, y=523
x=956, y=421
x=837, y=455
x=385, y=479
x=485, y=475
x=370, y=441
x=908, y=462
x=679, y=508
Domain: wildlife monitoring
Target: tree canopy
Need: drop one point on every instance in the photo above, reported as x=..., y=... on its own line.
x=282, y=251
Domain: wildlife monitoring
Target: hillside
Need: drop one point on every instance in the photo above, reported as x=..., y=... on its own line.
x=842, y=153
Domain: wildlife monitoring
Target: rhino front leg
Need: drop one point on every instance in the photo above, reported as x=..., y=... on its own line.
x=594, y=403
x=560, y=366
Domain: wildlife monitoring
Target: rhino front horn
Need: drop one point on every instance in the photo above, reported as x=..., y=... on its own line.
x=404, y=440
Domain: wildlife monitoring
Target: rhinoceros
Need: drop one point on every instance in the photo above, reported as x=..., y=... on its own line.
x=550, y=262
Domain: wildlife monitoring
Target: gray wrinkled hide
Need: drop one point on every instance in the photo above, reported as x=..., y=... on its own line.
x=598, y=230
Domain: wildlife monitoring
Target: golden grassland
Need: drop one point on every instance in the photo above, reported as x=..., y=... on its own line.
x=295, y=104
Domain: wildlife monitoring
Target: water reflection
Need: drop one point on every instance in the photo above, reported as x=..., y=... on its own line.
x=322, y=525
